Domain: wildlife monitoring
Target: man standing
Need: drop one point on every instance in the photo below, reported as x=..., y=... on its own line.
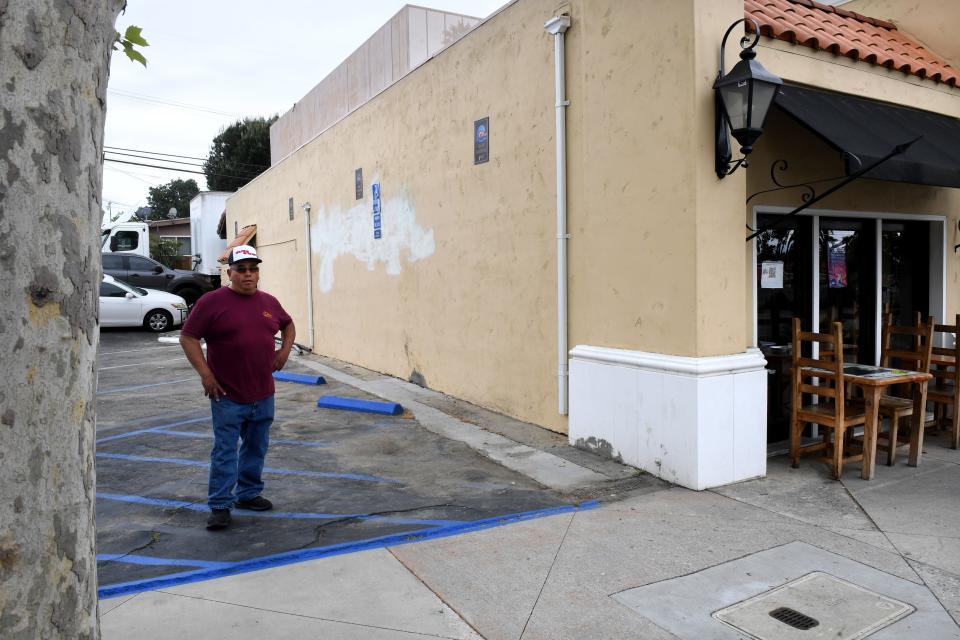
x=239, y=324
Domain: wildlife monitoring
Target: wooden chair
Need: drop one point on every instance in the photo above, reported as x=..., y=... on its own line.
x=822, y=378
x=942, y=391
x=915, y=357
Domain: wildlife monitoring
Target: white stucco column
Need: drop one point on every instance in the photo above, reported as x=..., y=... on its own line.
x=696, y=422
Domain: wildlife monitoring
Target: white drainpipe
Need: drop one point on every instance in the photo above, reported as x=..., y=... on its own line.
x=557, y=26
x=306, y=223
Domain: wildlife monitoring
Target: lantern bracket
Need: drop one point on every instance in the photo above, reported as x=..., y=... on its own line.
x=724, y=162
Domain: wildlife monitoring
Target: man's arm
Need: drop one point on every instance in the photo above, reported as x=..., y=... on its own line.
x=288, y=333
x=194, y=352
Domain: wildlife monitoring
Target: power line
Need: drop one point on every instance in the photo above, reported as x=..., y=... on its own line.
x=170, y=103
x=137, y=176
x=154, y=153
x=174, y=155
x=150, y=157
x=112, y=201
x=244, y=173
x=154, y=166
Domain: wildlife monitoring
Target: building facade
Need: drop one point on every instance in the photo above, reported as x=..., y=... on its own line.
x=418, y=235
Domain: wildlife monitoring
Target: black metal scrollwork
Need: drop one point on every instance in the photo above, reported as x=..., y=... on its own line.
x=809, y=192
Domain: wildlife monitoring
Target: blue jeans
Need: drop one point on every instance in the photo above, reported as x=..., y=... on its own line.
x=250, y=425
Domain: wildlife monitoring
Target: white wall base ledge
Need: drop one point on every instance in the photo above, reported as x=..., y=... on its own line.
x=696, y=422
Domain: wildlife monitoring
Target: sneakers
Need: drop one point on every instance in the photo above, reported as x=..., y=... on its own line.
x=219, y=519
x=255, y=504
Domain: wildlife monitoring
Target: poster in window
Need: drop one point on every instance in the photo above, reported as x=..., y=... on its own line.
x=837, y=266
x=771, y=274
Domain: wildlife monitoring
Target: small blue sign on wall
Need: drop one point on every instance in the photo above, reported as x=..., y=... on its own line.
x=375, y=189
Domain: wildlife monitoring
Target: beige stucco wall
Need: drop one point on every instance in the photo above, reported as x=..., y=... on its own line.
x=654, y=252
x=462, y=287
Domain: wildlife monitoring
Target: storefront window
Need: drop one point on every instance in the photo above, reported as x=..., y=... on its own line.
x=847, y=295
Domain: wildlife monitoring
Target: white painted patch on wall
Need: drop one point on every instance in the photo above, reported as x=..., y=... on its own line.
x=335, y=233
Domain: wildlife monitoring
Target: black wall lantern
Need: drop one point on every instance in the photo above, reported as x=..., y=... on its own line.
x=743, y=98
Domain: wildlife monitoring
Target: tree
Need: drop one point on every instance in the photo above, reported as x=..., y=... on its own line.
x=175, y=194
x=54, y=64
x=165, y=251
x=239, y=154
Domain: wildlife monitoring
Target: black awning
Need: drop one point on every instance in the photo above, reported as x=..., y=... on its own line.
x=870, y=130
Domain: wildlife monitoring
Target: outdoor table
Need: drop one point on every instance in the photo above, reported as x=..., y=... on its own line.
x=872, y=381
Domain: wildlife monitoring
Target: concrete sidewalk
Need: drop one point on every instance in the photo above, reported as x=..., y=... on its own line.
x=647, y=562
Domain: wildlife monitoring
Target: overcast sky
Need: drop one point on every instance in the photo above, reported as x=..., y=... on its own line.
x=211, y=62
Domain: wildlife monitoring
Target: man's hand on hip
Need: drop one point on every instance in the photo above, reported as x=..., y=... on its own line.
x=280, y=359
x=212, y=388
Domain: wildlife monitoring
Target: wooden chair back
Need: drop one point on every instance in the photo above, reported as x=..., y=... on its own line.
x=918, y=341
x=947, y=372
x=820, y=376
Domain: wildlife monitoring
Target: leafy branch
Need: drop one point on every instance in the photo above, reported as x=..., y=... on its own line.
x=131, y=39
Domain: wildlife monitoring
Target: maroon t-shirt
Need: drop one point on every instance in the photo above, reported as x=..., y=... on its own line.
x=239, y=331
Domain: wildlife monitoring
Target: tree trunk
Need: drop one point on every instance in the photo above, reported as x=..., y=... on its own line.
x=54, y=63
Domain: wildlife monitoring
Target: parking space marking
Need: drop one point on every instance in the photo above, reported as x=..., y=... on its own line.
x=208, y=435
x=139, y=364
x=130, y=558
x=144, y=386
x=281, y=515
x=192, y=555
x=359, y=477
x=130, y=434
x=302, y=555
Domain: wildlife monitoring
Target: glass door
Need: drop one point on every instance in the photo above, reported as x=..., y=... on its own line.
x=784, y=291
x=847, y=284
x=905, y=270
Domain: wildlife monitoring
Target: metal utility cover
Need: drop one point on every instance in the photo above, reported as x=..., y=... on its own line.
x=842, y=610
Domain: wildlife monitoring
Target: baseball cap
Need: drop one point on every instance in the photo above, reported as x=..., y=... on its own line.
x=243, y=252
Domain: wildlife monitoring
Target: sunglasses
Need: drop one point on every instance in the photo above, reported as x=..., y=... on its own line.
x=246, y=269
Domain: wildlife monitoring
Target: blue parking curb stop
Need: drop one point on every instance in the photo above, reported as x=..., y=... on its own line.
x=367, y=406
x=301, y=378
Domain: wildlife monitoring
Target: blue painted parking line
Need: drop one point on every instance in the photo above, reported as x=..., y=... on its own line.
x=209, y=434
x=130, y=558
x=184, y=434
x=142, y=420
x=301, y=443
x=130, y=434
x=282, y=515
x=145, y=386
x=154, y=502
x=291, y=557
x=284, y=472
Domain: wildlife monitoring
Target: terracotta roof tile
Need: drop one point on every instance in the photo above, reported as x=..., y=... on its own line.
x=849, y=34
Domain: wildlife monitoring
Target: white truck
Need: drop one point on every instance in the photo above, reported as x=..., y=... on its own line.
x=129, y=237
x=205, y=211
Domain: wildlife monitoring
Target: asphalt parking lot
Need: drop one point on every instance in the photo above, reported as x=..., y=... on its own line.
x=339, y=481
